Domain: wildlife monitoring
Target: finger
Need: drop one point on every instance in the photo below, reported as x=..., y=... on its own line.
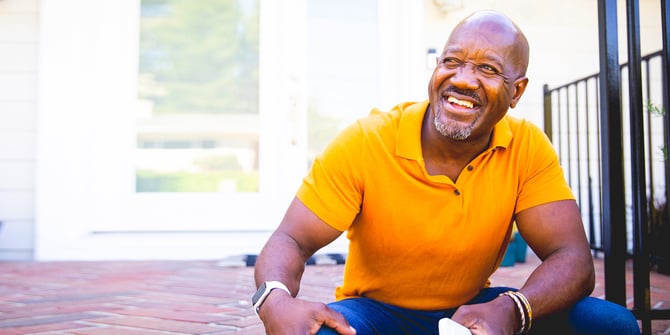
x=465, y=317
x=344, y=330
x=337, y=322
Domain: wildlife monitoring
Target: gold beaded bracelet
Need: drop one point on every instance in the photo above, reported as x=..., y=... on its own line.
x=529, y=311
x=522, y=314
x=525, y=311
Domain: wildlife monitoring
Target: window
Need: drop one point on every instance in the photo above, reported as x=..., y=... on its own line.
x=197, y=128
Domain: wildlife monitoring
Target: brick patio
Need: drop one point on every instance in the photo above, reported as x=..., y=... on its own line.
x=178, y=297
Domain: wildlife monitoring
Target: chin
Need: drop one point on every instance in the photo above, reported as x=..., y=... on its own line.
x=453, y=130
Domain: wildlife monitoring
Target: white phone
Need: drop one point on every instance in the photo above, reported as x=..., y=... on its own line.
x=448, y=326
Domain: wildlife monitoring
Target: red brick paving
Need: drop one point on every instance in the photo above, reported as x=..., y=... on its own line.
x=179, y=297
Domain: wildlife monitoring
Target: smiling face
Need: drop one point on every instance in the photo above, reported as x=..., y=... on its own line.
x=480, y=74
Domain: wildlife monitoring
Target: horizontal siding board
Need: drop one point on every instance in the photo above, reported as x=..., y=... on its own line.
x=17, y=145
x=17, y=205
x=17, y=176
x=18, y=57
x=18, y=27
x=16, y=255
x=18, y=87
x=19, y=6
x=18, y=115
x=17, y=234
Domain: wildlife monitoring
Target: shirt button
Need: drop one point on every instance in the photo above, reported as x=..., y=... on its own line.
x=456, y=192
x=470, y=168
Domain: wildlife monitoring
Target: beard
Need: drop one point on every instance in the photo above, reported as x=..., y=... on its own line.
x=453, y=130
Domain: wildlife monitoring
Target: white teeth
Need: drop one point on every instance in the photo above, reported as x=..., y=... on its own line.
x=467, y=104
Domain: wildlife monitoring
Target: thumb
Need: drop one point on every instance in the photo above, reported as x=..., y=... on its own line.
x=342, y=329
x=337, y=322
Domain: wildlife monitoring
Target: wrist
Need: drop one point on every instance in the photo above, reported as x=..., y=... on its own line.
x=264, y=291
x=524, y=311
x=509, y=307
x=273, y=298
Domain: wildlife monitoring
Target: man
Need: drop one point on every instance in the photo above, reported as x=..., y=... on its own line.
x=427, y=193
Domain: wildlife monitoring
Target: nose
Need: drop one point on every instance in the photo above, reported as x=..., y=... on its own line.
x=465, y=76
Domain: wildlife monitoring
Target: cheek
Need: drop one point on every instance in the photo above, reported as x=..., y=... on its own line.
x=503, y=95
x=436, y=80
x=499, y=100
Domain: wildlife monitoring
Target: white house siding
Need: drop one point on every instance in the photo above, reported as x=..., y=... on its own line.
x=19, y=22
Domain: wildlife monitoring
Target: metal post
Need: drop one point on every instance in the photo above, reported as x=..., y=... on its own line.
x=558, y=126
x=589, y=181
x=548, y=116
x=638, y=180
x=578, y=146
x=613, y=211
x=568, y=126
x=665, y=15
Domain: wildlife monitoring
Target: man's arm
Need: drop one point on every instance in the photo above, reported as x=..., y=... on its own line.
x=300, y=234
x=556, y=234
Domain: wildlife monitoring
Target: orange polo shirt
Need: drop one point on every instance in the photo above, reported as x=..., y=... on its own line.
x=420, y=241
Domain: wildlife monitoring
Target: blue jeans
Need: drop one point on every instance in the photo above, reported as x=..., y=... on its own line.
x=588, y=316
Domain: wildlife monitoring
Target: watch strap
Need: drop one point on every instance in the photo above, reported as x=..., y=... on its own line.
x=264, y=291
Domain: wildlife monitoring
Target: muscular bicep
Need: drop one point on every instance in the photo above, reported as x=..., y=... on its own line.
x=307, y=230
x=553, y=226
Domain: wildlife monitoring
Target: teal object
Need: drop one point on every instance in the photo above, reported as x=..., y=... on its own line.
x=520, y=248
x=510, y=254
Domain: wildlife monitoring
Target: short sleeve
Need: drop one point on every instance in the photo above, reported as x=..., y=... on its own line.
x=333, y=187
x=542, y=180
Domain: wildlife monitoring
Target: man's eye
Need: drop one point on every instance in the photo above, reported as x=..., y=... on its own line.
x=451, y=62
x=488, y=69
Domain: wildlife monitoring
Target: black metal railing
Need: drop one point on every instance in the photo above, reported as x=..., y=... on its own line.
x=572, y=121
x=615, y=156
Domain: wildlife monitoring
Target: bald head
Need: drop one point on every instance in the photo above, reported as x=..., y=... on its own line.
x=499, y=30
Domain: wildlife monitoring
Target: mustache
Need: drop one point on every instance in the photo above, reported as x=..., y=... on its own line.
x=468, y=93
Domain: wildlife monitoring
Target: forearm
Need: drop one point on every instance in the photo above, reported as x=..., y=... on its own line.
x=282, y=260
x=563, y=278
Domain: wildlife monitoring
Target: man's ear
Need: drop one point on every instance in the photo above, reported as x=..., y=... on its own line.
x=519, y=87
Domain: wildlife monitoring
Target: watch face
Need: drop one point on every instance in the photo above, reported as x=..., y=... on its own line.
x=258, y=294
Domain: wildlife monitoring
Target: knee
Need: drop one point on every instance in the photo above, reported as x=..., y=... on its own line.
x=596, y=316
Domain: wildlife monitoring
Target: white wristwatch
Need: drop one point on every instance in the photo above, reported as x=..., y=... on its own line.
x=263, y=291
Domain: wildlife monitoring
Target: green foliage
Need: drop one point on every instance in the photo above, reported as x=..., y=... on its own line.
x=654, y=109
x=200, y=56
x=218, y=163
x=322, y=129
x=150, y=181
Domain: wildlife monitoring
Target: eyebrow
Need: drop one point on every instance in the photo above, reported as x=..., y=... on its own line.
x=487, y=56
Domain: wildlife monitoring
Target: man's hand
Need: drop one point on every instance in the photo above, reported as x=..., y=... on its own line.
x=496, y=317
x=284, y=314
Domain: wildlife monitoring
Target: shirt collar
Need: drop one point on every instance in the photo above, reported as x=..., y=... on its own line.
x=408, y=142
